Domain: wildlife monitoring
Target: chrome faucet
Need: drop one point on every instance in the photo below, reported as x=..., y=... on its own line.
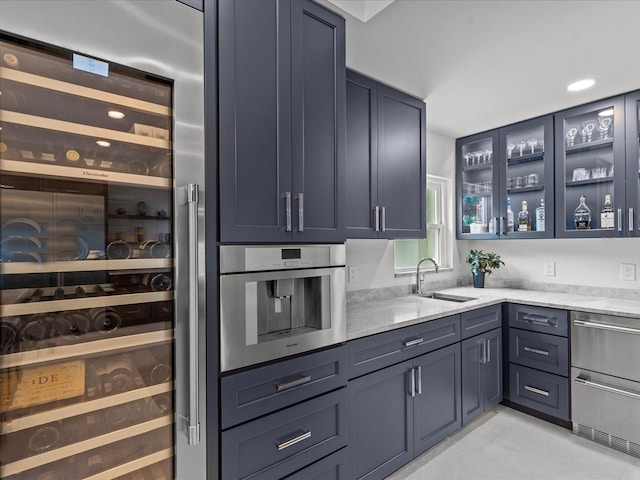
x=418, y=282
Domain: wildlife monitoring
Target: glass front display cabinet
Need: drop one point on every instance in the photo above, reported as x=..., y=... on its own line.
x=632, y=213
x=591, y=170
x=86, y=313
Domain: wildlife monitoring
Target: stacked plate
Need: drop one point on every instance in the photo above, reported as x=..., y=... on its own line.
x=20, y=242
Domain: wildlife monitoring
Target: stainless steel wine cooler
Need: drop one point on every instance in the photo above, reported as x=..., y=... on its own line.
x=102, y=326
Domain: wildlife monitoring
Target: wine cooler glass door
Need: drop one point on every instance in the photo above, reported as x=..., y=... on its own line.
x=92, y=244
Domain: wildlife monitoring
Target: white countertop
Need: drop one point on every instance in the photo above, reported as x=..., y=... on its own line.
x=376, y=316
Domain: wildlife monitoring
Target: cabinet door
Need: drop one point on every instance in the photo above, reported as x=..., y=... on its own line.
x=590, y=163
x=254, y=120
x=437, y=410
x=526, y=175
x=361, y=169
x=492, y=369
x=380, y=422
x=477, y=179
x=318, y=122
x=632, y=212
x=402, y=166
x=472, y=358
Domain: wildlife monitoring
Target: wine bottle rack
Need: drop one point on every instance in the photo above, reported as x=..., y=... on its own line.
x=130, y=467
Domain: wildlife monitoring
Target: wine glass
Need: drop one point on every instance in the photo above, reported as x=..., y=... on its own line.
x=469, y=158
x=587, y=131
x=521, y=146
x=571, y=136
x=541, y=143
x=487, y=156
x=479, y=155
x=603, y=126
x=510, y=148
x=533, y=143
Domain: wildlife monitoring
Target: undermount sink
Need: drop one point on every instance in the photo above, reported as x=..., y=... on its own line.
x=446, y=297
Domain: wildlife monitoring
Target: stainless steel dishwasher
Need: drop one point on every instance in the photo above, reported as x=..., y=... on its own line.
x=605, y=373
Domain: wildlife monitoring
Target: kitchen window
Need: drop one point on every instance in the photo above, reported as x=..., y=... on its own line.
x=437, y=244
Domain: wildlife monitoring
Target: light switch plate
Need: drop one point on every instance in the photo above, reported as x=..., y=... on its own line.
x=550, y=269
x=628, y=272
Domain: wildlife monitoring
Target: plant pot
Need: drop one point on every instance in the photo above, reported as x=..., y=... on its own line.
x=478, y=280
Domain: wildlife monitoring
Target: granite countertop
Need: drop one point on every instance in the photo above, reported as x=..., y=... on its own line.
x=376, y=316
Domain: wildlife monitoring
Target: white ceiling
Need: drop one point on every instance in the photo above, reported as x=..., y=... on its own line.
x=481, y=64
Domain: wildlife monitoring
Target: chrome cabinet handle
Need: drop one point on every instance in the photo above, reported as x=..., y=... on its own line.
x=384, y=219
x=414, y=342
x=300, y=198
x=607, y=388
x=539, y=319
x=619, y=219
x=488, y=350
x=535, y=350
x=293, y=383
x=193, y=419
x=287, y=207
x=544, y=393
x=483, y=353
x=294, y=440
x=503, y=228
x=419, y=373
x=606, y=326
x=376, y=220
x=412, y=391
x=631, y=219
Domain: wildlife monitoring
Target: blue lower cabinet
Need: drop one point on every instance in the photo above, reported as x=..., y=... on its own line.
x=333, y=467
x=401, y=411
x=540, y=391
x=283, y=442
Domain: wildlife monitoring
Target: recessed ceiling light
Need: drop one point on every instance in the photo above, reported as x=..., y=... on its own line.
x=606, y=113
x=116, y=114
x=103, y=143
x=581, y=85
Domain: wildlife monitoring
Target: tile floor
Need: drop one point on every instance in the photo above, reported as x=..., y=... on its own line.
x=509, y=445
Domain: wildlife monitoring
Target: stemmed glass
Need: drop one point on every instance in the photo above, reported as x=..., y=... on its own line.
x=510, y=148
x=587, y=131
x=469, y=158
x=533, y=143
x=541, y=143
x=603, y=126
x=487, y=156
x=521, y=146
x=479, y=156
x=571, y=136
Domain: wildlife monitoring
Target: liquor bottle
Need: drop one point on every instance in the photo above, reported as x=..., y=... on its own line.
x=540, y=216
x=509, y=216
x=582, y=215
x=606, y=216
x=524, y=222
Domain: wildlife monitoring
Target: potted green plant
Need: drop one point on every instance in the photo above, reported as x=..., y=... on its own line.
x=481, y=263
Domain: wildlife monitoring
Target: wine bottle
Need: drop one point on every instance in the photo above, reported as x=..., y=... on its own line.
x=35, y=296
x=35, y=328
x=44, y=438
x=105, y=319
x=59, y=293
x=119, y=249
x=154, y=366
x=8, y=336
x=115, y=374
x=73, y=322
x=154, y=249
x=157, y=282
x=607, y=218
x=160, y=405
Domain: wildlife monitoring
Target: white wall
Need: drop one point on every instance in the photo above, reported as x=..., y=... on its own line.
x=579, y=262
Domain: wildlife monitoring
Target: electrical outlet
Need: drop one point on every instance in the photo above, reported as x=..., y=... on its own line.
x=550, y=269
x=628, y=272
x=353, y=273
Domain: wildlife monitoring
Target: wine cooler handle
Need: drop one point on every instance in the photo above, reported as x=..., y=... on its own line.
x=287, y=197
x=631, y=218
x=300, y=198
x=193, y=419
x=619, y=219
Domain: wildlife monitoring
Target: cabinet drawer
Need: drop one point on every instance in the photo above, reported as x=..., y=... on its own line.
x=481, y=320
x=541, y=391
x=262, y=390
x=372, y=353
x=539, y=319
x=282, y=443
x=333, y=467
x=539, y=350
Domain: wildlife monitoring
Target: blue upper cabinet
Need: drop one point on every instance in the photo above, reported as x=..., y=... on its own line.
x=386, y=161
x=502, y=173
x=631, y=216
x=591, y=170
x=281, y=121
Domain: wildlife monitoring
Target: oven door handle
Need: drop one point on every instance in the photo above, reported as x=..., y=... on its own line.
x=606, y=326
x=193, y=419
x=607, y=388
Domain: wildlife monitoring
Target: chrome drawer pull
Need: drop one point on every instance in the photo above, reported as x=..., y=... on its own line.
x=607, y=388
x=536, y=390
x=293, y=441
x=412, y=343
x=540, y=319
x=293, y=383
x=606, y=326
x=535, y=350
